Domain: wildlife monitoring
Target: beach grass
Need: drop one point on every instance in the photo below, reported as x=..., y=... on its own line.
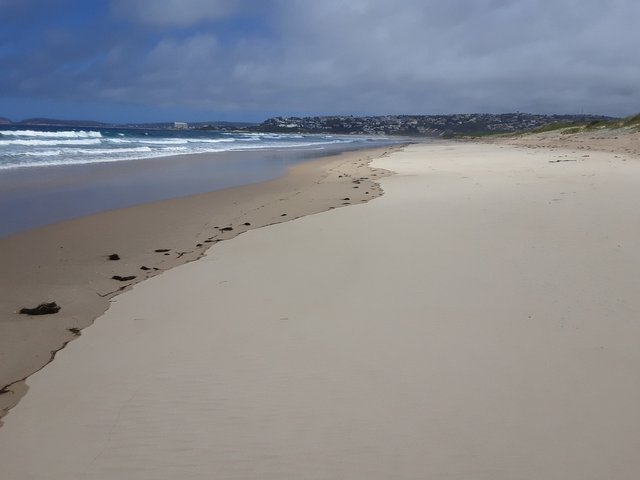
x=631, y=122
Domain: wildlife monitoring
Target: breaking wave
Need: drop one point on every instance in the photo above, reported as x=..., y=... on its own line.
x=43, y=143
x=36, y=148
x=47, y=134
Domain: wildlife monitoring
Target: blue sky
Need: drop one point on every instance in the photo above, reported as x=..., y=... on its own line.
x=156, y=60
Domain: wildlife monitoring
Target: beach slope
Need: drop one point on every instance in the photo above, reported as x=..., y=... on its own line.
x=479, y=320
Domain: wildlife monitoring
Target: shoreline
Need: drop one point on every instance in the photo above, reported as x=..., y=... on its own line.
x=67, y=262
x=35, y=197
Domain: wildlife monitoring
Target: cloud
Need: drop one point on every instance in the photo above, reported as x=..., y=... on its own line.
x=174, y=13
x=362, y=56
x=460, y=55
x=172, y=69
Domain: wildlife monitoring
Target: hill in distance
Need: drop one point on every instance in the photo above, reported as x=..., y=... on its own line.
x=62, y=123
x=469, y=124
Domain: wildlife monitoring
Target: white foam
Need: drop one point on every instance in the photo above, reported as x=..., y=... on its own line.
x=171, y=141
x=22, y=149
x=211, y=140
x=41, y=153
x=63, y=134
x=112, y=151
x=89, y=158
x=40, y=143
x=118, y=140
x=160, y=141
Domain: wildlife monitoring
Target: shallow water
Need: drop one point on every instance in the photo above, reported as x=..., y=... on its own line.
x=36, y=196
x=30, y=147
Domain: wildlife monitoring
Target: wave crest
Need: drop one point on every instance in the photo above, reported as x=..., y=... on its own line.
x=40, y=143
x=62, y=134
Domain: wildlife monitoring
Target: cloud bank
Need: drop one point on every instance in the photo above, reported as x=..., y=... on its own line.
x=259, y=58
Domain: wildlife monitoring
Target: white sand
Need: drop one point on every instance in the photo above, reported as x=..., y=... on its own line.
x=479, y=321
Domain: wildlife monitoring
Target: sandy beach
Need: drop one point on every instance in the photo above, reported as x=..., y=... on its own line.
x=477, y=321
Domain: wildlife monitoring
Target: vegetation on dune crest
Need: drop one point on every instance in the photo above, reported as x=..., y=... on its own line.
x=633, y=121
x=567, y=128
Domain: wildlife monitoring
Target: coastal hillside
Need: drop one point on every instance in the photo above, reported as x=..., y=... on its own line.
x=445, y=126
x=423, y=125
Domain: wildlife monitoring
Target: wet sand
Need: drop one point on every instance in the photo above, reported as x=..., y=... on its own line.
x=478, y=321
x=68, y=262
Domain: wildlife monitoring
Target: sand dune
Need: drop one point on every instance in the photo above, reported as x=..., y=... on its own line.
x=478, y=321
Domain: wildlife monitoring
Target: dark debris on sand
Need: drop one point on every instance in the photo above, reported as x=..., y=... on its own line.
x=123, y=279
x=42, y=309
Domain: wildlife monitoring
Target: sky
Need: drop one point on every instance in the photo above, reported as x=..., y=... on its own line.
x=198, y=60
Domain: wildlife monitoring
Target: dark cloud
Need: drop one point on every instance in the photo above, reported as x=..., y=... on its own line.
x=361, y=56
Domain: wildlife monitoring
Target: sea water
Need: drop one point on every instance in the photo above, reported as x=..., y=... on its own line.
x=51, y=174
x=49, y=146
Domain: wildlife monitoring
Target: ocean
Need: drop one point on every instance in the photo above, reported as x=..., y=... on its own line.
x=50, y=174
x=49, y=146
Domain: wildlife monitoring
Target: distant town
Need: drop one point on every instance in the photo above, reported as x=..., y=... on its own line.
x=405, y=125
x=420, y=125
